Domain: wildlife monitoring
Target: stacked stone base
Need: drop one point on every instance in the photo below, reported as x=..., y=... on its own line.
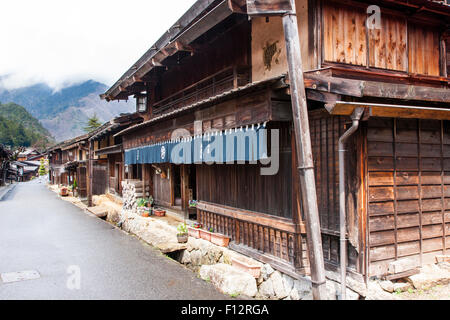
x=213, y=263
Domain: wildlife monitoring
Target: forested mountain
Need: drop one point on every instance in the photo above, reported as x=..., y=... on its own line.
x=19, y=128
x=65, y=113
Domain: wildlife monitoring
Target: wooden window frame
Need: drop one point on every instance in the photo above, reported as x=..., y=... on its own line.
x=141, y=100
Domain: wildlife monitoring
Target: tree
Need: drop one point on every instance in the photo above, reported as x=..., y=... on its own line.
x=42, y=169
x=92, y=124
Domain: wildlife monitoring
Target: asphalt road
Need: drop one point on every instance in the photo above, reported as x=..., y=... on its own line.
x=67, y=247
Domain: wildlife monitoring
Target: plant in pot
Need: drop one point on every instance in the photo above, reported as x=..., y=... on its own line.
x=192, y=203
x=74, y=188
x=194, y=230
x=142, y=207
x=182, y=235
x=219, y=239
x=206, y=234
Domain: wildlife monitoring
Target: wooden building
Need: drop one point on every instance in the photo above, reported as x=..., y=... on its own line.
x=30, y=155
x=68, y=163
x=218, y=69
x=108, y=163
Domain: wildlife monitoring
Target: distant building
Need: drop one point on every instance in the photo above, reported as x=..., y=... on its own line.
x=30, y=154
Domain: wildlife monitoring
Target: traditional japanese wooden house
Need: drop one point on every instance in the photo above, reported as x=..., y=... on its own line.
x=68, y=163
x=108, y=164
x=379, y=67
x=54, y=154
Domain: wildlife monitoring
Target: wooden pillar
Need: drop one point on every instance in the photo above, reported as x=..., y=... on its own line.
x=184, y=172
x=304, y=154
x=90, y=172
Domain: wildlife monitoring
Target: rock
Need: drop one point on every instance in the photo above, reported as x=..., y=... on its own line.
x=387, y=286
x=402, y=265
x=204, y=246
x=355, y=285
x=444, y=266
x=288, y=283
x=266, y=271
x=196, y=257
x=430, y=276
x=443, y=258
x=265, y=289
x=185, y=257
x=375, y=292
x=302, y=290
x=402, y=286
x=331, y=290
x=229, y=280
x=278, y=285
x=214, y=254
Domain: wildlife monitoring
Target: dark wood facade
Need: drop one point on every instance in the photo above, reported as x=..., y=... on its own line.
x=224, y=78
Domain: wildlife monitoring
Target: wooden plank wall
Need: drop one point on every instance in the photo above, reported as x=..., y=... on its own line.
x=249, y=109
x=82, y=181
x=162, y=191
x=344, y=34
x=100, y=179
x=409, y=191
x=242, y=186
x=215, y=51
x=325, y=133
x=388, y=45
x=400, y=45
x=424, y=49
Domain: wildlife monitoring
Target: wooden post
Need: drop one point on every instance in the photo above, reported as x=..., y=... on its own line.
x=304, y=154
x=90, y=171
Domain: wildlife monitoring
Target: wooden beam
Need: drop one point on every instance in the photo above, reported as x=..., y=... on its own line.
x=238, y=6
x=359, y=88
x=389, y=111
x=303, y=147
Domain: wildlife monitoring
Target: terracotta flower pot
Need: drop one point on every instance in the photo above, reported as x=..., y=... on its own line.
x=220, y=239
x=64, y=192
x=182, y=237
x=159, y=213
x=205, y=235
x=252, y=269
x=193, y=232
x=145, y=214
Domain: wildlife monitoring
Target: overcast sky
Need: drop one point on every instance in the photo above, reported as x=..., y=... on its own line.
x=66, y=41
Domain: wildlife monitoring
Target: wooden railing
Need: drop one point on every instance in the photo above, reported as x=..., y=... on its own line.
x=224, y=80
x=265, y=237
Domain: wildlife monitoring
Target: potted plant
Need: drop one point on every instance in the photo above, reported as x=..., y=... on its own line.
x=64, y=192
x=192, y=203
x=194, y=230
x=159, y=212
x=142, y=207
x=182, y=235
x=220, y=239
x=74, y=188
x=246, y=266
x=206, y=234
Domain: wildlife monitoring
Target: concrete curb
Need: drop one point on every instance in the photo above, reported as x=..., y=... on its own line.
x=6, y=190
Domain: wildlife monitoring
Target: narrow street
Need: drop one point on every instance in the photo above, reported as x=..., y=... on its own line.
x=40, y=232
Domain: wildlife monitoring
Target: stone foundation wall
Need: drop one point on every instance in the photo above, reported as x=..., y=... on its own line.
x=213, y=263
